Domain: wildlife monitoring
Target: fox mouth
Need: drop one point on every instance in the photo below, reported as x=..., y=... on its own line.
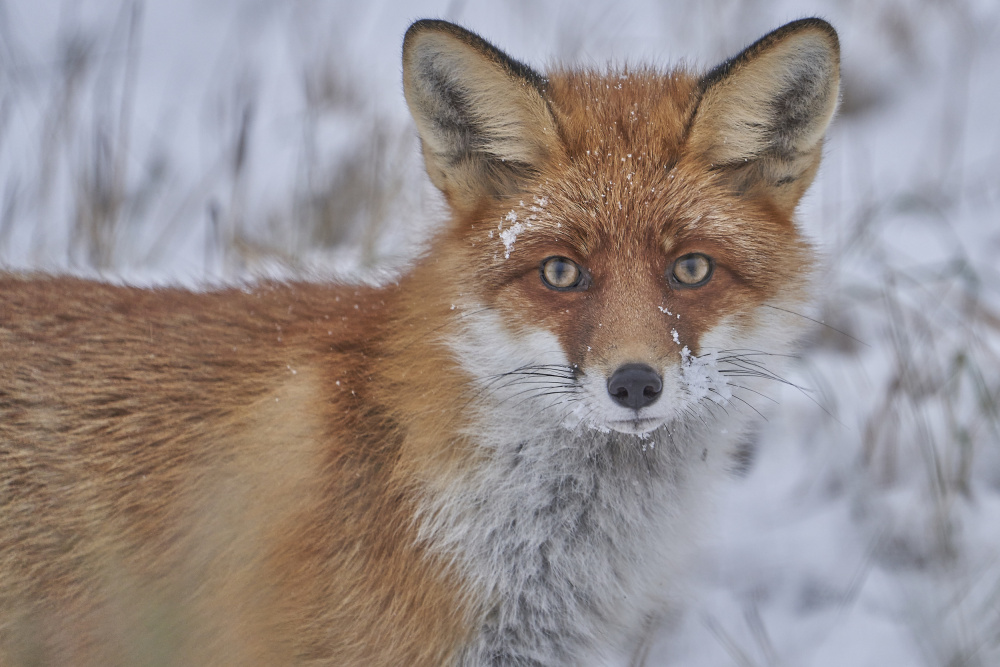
x=636, y=426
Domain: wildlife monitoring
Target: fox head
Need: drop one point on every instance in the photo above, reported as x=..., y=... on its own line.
x=622, y=248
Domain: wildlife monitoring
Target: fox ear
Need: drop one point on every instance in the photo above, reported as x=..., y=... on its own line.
x=483, y=121
x=763, y=114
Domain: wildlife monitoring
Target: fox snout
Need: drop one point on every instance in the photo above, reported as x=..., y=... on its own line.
x=635, y=386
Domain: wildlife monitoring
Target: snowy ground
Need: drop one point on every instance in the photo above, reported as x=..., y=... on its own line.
x=176, y=140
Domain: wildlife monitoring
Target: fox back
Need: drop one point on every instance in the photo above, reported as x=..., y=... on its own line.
x=501, y=457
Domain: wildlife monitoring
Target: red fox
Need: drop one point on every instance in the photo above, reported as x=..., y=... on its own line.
x=501, y=458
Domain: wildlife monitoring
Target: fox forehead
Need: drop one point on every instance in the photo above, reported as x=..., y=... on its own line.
x=620, y=133
x=616, y=113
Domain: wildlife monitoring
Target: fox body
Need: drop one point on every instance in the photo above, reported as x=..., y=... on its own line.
x=499, y=458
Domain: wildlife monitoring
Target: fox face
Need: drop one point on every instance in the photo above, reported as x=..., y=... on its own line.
x=633, y=232
x=625, y=311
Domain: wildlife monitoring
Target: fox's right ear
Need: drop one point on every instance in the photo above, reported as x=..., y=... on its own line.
x=483, y=120
x=763, y=114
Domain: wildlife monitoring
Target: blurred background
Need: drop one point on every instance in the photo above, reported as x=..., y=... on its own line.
x=196, y=142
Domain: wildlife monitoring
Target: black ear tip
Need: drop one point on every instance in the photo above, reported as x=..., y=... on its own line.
x=813, y=23
x=798, y=28
x=472, y=40
x=429, y=24
x=441, y=27
x=422, y=26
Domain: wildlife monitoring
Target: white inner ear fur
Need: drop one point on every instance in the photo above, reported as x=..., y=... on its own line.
x=504, y=111
x=738, y=119
x=467, y=105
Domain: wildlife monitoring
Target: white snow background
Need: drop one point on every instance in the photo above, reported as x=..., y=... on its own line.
x=201, y=141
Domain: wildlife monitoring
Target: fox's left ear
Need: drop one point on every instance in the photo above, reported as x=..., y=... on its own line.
x=763, y=114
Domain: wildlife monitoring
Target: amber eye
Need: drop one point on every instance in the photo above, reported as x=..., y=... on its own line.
x=692, y=270
x=559, y=273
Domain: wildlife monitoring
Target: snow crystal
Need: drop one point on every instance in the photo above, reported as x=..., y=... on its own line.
x=702, y=377
x=509, y=235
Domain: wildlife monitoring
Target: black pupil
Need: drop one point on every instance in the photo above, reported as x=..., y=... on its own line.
x=560, y=273
x=691, y=269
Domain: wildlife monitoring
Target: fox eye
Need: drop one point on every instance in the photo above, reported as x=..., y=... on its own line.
x=559, y=273
x=692, y=270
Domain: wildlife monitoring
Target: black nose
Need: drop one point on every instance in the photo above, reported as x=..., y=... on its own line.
x=635, y=386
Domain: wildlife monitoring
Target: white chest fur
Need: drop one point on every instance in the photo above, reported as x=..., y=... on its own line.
x=576, y=539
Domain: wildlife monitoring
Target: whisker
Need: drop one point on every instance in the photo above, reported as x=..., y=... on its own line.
x=566, y=400
x=529, y=381
x=449, y=323
x=754, y=391
x=711, y=405
x=754, y=368
x=552, y=370
x=746, y=403
x=752, y=352
x=806, y=317
x=533, y=391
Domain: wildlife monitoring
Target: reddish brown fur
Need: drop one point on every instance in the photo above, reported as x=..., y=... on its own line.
x=198, y=441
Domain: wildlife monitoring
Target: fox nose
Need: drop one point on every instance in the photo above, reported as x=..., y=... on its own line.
x=635, y=386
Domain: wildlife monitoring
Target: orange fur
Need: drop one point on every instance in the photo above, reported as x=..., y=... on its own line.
x=208, y=445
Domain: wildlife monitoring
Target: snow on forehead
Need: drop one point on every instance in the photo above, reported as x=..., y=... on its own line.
x=520, y=219
x=621, y=203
